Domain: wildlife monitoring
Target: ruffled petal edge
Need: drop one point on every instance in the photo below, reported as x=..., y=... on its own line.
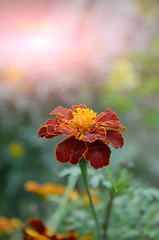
x=70, y=150
x=98, y=154
x=115, y=138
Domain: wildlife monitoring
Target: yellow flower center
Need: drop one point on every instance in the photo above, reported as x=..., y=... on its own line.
x=83, y=119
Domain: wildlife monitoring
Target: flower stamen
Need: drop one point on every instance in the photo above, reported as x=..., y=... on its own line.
x=83, y=119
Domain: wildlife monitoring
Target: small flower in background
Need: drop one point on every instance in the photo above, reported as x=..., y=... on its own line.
x=88, y=134
x=53, y=189
x=84, y=197
x=16, y=149
x=38, y=231
x=49, y=188
x=8, y=226
x=45, y=189
x=94, y=193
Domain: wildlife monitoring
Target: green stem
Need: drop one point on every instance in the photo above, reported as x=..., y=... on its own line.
x=83, y=166
x=107, y=215
x=55, y=220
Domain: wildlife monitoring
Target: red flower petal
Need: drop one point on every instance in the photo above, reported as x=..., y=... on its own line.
x=98, y=154
x=99, y=133
x=64, y=130
x=40, y=231
x=37, y=225
x=42, y=132
x=116, y=126
x=115, y=138
x=93, y=127
x=51, y=121
x=109, y=116
x=78, y=106
x=54, y=127
x=70, y=150
x=64, y=112
x=51, y=130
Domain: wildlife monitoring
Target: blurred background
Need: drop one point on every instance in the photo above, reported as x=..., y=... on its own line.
x=101, y=53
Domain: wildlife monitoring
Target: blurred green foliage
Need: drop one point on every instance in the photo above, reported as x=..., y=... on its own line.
x=25, y=157
x=134, y=209
x=131, y=89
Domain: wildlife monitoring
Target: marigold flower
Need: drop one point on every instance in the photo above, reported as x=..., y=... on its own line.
x=38, y=231
x=49, y=189
x=88, y=134
x=9, y=225
x=45, y=189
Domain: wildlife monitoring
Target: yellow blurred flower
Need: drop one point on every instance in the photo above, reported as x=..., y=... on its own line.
x=49, y=188
x=54, y=189
x=74, y=195
x=95, y=198
x=16, y=149
x=9, y=225
x=38, y=231
x=94, y=193
x=45, y=189
x=123, y=76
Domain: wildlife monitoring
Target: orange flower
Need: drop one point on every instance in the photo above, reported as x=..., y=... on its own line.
x=88, y=134
x=45, y=189
x=49, y=188
x=39, y=232
x=9, y=225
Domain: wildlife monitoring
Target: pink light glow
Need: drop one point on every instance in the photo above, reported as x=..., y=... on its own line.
x=56, y=38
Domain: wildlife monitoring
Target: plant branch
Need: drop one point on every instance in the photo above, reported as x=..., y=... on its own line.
x=107, y=215
x=83, y=166
x=55, y=220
